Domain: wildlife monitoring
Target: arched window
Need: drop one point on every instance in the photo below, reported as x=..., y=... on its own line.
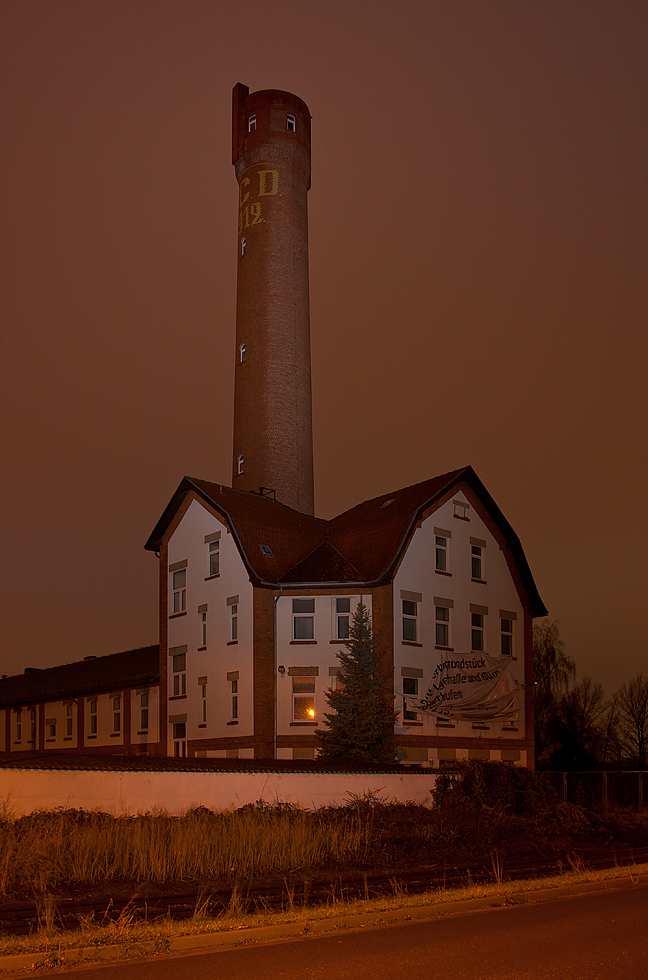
x=241, y=353
x=243, y=244
x=290, y=124
x=239, y=466
x=251, y=124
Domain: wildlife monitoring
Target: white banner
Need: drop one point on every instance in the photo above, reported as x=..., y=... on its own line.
x=470, y=687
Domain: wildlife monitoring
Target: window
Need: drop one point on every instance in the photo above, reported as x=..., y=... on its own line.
x=203, y=629
x=241, y=353
x=51, y=727
x=144, y=715
x=116, y=706
x=303, y=619
x=410, y=615
x=180, y=590
x=243, y=244
x=202, y=684
x=477, y=550
x=304, y=698
x=32, y=725
x=460, y=509
x=213, y=558
x=506, y=626
x=234, y=622
x=179, y=666
x=410, y=687
x=234, y=702
x=342, y=618
x=477, y=631
x=251, y=124
x=179, y=739
x=68, y=719
x=93, y=717
x=442, y=616
x=441, y=553
x=19, y=724
x=239, y=466
x=290, y=123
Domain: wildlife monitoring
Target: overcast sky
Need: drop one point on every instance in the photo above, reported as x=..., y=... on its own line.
x=478, y=255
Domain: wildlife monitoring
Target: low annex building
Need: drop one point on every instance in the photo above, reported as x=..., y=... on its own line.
x=100, y=705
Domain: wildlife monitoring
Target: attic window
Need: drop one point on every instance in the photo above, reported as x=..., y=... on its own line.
x=387, y=503
x=266, y=550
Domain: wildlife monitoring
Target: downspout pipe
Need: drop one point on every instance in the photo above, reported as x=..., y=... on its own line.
x=276, y=602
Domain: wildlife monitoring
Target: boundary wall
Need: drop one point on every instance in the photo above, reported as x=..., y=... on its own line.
x=23, y=791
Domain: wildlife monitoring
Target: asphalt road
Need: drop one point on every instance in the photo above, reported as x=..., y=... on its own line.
x=599, y=936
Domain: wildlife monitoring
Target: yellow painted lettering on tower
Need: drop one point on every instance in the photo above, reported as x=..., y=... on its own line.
x=243, y=197
x=264, y=191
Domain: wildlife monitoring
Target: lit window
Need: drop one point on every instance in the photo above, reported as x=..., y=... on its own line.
x=410, y=617
x=241, y=353
x=239, y=465
x=68, y=719
x=144, y=715
x=506, y=626
x=93, y=717
x=304, y=698
x=303, y=619
x=477, y=631
x=290, y=123
x=442, y=615
x=179, y=668
x=410, y=687
x=116, y=705
x=180, y=590
x=251, y=124
x=441, y=553
x=342, y=618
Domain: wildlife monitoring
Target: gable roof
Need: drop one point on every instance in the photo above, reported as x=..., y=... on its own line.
x=361, y=546
x=131, y=668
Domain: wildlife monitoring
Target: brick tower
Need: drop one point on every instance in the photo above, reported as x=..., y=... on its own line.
x=273, y=435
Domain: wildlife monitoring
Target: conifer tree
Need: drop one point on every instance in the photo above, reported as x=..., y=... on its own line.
x=361, y=725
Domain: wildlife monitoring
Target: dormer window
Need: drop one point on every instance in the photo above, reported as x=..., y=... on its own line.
x=290, y=123
x=252, y=124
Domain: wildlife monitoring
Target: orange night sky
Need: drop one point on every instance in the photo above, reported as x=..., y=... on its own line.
x=478, y=256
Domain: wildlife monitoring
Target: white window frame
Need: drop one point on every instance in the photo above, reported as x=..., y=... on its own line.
x=94, y=714
x=410, y=616
x=179, y=733
x=290, y=119
x=303, y=611
x=342, y=617
x=243, y=244
x=203, y=629
x=477, y=631
x=506, y=635
x=442, y=621
x=477, y=559
x=179, y=590
x=408, y=714
x=179, y=672
x=234, y=692
x=239, y=465
x=252, y=121
x=213, y=558
x=233, y=629
x=441, y=550
x=116, y=710
x=303, y=690
x=144, y=711
x=241, y=353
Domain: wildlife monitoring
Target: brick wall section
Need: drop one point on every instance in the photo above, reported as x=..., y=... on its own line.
x=272, y=387
x=264, y=674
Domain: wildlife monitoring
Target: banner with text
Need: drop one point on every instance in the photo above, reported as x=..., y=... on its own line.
x=470, y=687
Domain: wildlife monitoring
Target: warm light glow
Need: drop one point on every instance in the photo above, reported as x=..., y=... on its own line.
x=311, y=712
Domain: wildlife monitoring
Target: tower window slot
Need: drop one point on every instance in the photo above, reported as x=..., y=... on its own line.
x=290, y=123
x=241, y=353
x=243, y=244
x=239, y=465
x=251, y=124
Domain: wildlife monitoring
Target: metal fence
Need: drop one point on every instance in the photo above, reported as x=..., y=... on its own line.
x=622, y=788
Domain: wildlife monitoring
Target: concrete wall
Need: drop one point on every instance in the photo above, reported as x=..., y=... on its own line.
x=23, y=791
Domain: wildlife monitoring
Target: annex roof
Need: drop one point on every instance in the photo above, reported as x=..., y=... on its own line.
x=361, y=546
x=131, y=668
